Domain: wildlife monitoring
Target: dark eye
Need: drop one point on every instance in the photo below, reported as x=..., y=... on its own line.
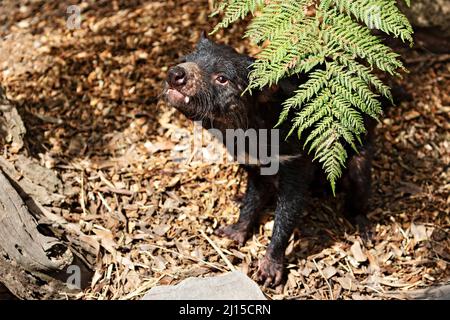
x=222, y=80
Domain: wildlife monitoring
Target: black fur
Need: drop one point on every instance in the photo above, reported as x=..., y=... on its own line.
x=222, y=105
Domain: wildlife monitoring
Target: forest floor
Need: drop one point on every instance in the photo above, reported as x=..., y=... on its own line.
x=89, y=98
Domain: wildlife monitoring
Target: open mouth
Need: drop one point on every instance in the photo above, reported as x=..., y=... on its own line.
x=176, y=97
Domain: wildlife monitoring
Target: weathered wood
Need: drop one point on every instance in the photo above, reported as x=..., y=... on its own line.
x=33, y=265
x=19, y=236
x=12, y=128
x=441, y=292
x=433, y=293
x=38, y=195
x=29, y=261
x=27, y=175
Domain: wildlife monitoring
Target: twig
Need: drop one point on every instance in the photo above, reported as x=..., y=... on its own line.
x=219, y=251
x=189, y=257
x=106, y=181
x=83, y=204
x=142, y=289
x=104, y=202
x=326, y=280
x=48, y=119
x=349, y=268
x=117, y=191
x=377, y=291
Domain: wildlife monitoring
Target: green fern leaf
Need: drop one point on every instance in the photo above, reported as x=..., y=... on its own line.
x=335, y=35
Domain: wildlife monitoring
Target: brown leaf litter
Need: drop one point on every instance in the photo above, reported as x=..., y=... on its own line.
x=89, y=100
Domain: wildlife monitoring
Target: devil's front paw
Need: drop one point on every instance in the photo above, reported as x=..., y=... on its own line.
x=270, y=271
x=363, y=225
x=238, y=232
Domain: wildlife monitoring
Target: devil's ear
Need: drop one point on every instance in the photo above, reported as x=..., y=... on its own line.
x=203, y=35
x=204, y=39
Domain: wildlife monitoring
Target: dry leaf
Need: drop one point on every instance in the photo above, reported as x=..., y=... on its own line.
x=419, y=232
x=119, y=139
x=357, y=253
x=347, y=282
x=329, y=272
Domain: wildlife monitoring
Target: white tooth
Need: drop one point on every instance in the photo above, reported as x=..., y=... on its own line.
x=186, y=100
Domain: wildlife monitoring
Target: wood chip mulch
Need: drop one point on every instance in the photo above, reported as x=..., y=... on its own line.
x=89, y=99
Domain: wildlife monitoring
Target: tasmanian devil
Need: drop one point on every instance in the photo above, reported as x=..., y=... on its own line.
x=208, y=86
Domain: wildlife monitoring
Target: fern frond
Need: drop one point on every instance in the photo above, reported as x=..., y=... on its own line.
x=283, y=54
x=330, y=152
x=358, y=87
x=347, y=115
x=298, y=36
x=307, y=111
x=320, y=128
x=345, y=34
x=364, y=73
x=317, y=80
x=379, y=14
x=235, y=10
x=276, y=18
x=349, y=96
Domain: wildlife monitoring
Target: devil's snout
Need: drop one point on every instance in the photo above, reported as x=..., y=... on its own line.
x=177, y=77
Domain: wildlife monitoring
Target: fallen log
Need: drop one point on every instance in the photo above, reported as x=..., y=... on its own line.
x=34, y=263
x=31, y=264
